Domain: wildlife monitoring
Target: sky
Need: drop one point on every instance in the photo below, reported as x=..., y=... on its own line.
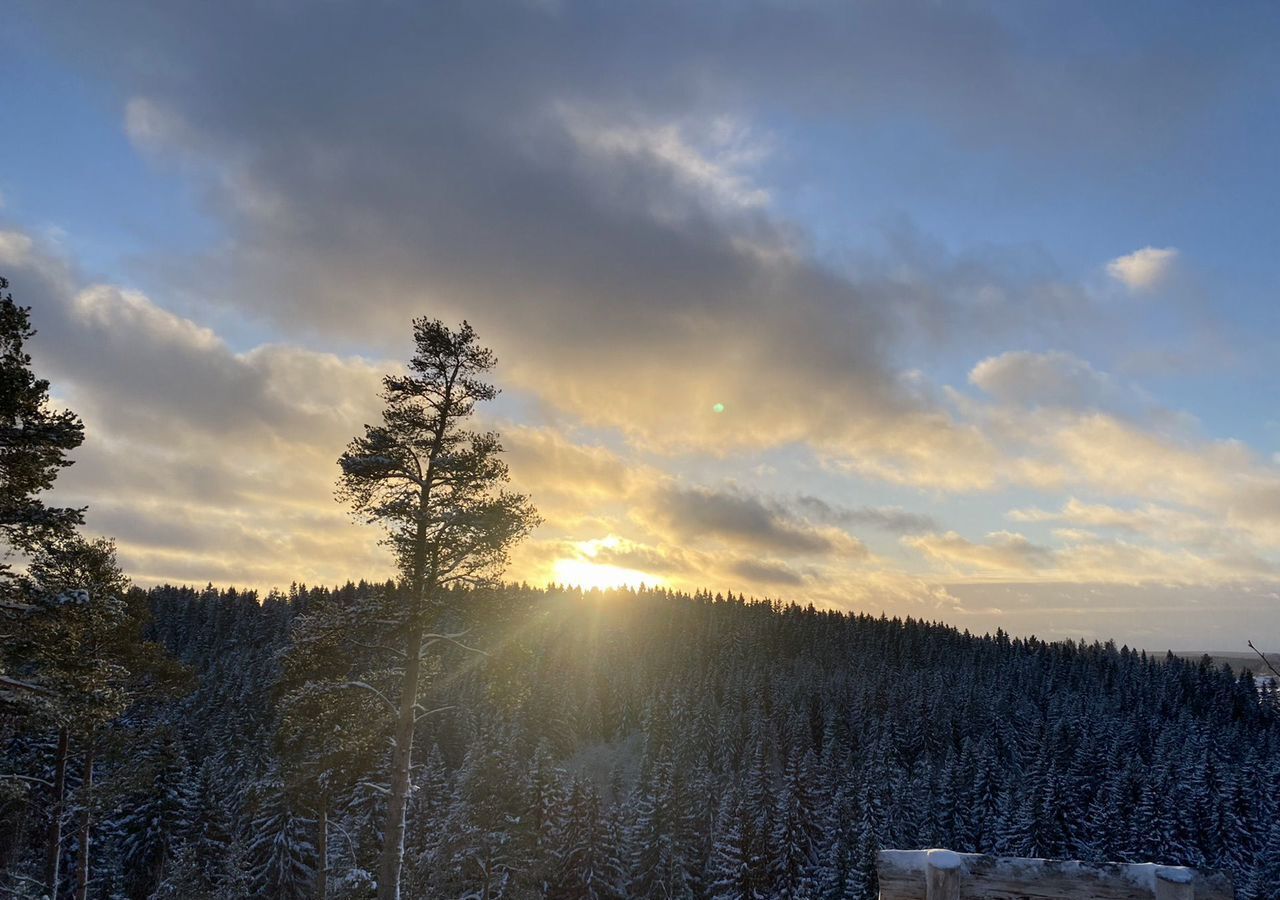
x=957, y=311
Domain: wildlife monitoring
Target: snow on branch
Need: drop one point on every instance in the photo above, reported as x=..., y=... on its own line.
x=363, y=685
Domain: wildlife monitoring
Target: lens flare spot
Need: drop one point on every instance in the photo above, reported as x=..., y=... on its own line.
x=718, y=408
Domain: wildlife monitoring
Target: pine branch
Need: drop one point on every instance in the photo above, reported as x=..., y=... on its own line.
x=6, y=681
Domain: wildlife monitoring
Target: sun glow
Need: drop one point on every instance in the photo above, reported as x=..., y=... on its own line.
x=584, y=571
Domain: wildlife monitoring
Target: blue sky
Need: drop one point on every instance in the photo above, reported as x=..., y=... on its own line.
x=71, y=167
x=987, y=291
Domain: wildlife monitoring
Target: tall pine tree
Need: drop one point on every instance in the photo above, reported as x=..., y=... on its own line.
x=436, y=488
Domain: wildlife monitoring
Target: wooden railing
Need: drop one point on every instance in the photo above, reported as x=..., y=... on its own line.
x=944, y=875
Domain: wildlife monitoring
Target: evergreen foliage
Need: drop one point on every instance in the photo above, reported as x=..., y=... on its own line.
x=34, y=442
x=922, y=735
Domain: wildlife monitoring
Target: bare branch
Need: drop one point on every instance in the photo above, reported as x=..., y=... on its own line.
x=367, y=687
x=1264, y=659
x=430, y=712
x=429, y=639
x=383, y=647
x=351, y=845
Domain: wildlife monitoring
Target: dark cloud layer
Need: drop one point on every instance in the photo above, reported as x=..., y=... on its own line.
x=700, y=512
x=769, y=573
x=547, y=171
x=891, y=519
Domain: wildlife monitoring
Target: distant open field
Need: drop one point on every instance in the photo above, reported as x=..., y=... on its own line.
x=1238, y=661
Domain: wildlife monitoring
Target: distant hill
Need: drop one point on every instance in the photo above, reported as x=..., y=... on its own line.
x=1235, y=659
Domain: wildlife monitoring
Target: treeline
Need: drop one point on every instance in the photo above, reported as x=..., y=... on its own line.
x=651, y=744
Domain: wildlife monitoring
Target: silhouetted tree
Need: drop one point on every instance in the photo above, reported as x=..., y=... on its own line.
x=34, y=443
x=436, y=488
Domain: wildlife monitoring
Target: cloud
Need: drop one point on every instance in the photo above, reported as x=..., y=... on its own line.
x=1004, y=553
x=222, y=465
x=606, y=227
x=205, y=462
x=1148, y=519
x=1085, y=558
x=885, y=518
x=766, y=572
x=712, y=159
x=235, y=449
x=1124, y=460
x=744, y=520
x=1225, y=548
x=1050, y=379
x=665, y=560
x=565, y=474
x=151, y=128
x=1143, y=269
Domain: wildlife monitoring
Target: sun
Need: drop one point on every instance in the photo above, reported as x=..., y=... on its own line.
x=588, y=575
x=582, y=570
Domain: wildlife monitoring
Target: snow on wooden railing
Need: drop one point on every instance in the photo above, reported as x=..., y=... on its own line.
x=945, y=875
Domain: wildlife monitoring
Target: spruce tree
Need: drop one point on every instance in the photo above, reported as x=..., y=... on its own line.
x=34, y=443
x=659, y=864
x=862, y=880
x=158, y=815
x=729, y=876
x=543, y=819
x=82, y=644
x=211, y=825
x=795, y=830
x=586, y=859
x=485, y=849
x=327, y=735
x=281, y=850
x=426, y=819
x=1262, y=882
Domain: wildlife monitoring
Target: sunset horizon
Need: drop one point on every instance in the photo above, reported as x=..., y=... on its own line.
x=750, y=337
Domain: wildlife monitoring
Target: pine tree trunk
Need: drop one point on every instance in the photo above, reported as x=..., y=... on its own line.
x=86, y=823
x=393, y=838
x=322, y=852
x=421, y=586
x=53, y=857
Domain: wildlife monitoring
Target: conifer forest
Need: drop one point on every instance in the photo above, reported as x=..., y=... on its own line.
x=653, y=744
